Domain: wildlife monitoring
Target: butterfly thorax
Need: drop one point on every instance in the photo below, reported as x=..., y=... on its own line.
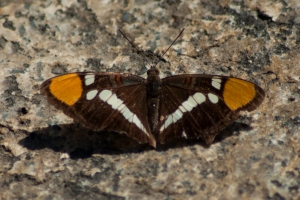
x=153, y=83
x=153, y=90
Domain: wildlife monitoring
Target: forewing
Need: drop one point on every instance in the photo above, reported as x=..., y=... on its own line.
x=103, y=101
x=199, y=106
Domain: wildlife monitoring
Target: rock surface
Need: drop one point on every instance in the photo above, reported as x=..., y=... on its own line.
x=44, y=155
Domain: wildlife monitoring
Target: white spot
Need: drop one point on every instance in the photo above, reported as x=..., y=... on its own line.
x=174, y=119
x=121, y=107
x=182, y=109
x=105, y=94
x=162, y=128
x=216, y=83
x=127, y=113
x=91, y=94
x=138, y=123
x=177, y=114
x=168, y=121
x=89, y=79
x=199, y=97
x=213, y=98
x=184, y=134
x=136, y=120
x=114, y=101
x=188, y=105
x=131, y=119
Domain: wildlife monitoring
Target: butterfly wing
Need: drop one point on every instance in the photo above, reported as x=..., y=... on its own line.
x=103, y=101
x=199, y=106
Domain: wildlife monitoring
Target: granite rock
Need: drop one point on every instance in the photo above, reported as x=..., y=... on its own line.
x=44, y=155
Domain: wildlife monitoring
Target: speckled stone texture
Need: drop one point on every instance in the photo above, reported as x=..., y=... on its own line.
x=44, y=155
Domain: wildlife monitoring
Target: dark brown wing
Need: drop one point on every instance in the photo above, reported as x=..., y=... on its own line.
x=199, y=106
x=103, y=101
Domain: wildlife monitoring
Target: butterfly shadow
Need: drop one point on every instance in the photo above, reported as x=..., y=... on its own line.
x=232, y=130
x=80, y=142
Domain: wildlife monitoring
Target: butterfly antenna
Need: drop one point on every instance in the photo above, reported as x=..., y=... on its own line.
x=173, y=42
x=132, y=45
x=171, y=45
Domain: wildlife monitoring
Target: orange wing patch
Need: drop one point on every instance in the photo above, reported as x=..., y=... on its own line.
x=238, y=93
x=66, y=88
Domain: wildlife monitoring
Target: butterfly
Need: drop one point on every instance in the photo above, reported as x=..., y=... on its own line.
x=153, y=109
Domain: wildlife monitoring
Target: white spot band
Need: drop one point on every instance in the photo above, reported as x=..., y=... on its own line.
x=117, y=104
x=188, y=105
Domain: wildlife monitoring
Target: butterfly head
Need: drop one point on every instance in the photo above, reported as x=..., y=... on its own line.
x=153, y=82
x=153, y=71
